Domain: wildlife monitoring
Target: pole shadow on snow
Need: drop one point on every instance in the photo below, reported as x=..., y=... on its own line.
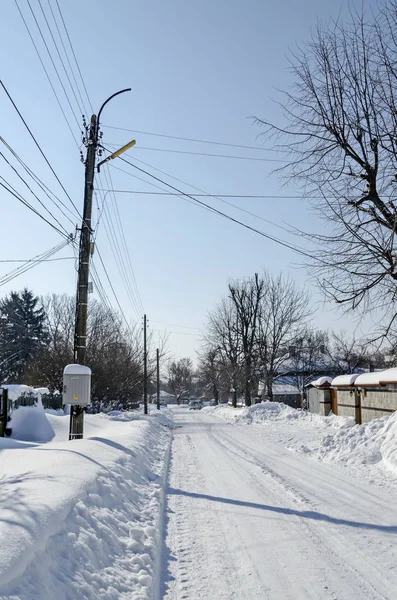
x=305, y=514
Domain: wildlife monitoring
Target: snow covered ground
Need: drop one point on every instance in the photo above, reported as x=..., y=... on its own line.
x=82, y=519
x=252, y=516
x=262, y=503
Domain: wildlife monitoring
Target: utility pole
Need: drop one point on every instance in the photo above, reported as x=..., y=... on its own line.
x=80, y=334
x=144, y=366
x=76, y=426
x=158, y=378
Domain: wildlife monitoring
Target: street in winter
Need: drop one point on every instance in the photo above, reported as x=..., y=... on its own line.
x=198, y=300
x=262, y=503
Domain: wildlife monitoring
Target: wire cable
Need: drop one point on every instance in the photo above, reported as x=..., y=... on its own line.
x=47, y=75
x=187, y=139
x=14, y=193
x=39, y=182
x=39, y=147
x=222, y=214
x=35, y=195
x=74, y=55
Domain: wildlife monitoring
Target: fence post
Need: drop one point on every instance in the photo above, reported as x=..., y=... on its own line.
x=4, y=414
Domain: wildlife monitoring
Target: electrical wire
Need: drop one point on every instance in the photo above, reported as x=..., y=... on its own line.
x=222, y=214
x=124, y=244
x=114, y=238
x=53, y=64
x=39, y=182
x=16, y=194
x=39, y=147
x=74, y=55
x=253, y=158
x=47, y=75
x=187, y=139
x=60, y=58
x=35, y=195
x=33, y=262
x=220, y=198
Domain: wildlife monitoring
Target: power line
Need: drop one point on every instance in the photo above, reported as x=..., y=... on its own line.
x=174, y=325
x=47, y=75
x=187, y=139
x=110, y=225
x=129, y=262
x=24, y=260
x=222, y=214
x=220, y=198
x=14, y=193
x=33, y=262
x=53, y=63
x=112, y=288
x=39, y=147
x=243, y=196
x=60, y=56
x=253, y=158
x=33, y=193
x=38, y=181
x=74, y=55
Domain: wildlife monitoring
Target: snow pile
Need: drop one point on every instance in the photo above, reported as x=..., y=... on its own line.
x=259, y=413
x=83, y=519
x=370, y=443
x=30, y=423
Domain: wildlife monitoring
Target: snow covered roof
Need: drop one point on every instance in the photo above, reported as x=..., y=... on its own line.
x=286, y=388
x=322, y=382
x=388, y=376
x=368, y=379
x=344, y=380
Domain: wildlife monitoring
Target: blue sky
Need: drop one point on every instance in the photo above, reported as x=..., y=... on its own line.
x=197, y=70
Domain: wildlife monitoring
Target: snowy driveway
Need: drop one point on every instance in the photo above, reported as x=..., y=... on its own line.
x=249, y=519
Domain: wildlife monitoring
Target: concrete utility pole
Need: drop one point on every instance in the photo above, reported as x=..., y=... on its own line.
x=76, y=427
x=158, y=378
x=145, y=408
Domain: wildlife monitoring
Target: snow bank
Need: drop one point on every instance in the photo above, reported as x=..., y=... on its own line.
x=30, y=423
x=277, y=412
x=83, y=519
x=266, y=411
x=369, y=443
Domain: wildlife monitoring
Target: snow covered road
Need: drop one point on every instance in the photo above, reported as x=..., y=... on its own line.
x=249, y=519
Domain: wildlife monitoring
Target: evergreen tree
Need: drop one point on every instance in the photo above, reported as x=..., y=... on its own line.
x=22, y=333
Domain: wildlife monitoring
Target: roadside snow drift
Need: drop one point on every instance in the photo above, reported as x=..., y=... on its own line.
x=82, y=519
x=365, y=444
x=275, y=411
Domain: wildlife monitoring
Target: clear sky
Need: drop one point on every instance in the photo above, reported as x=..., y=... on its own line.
x=197, y=70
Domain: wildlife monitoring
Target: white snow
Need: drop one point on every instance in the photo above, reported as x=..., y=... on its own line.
x=76, y=370
x=265, y=503
x=82, y=519
x=321, y=381
x=344, y=380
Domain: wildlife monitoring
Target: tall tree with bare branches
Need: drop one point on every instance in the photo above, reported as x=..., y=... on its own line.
x=340, y=135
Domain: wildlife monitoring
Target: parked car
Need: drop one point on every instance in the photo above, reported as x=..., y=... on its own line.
x=195, y=405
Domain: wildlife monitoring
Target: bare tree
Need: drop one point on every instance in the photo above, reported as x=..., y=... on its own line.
x=223, y=335
x=247, y=296
x=283, y=315
x=341, y=140
x=180, y=374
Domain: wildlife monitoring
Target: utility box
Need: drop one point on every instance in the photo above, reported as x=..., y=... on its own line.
x=76, y=385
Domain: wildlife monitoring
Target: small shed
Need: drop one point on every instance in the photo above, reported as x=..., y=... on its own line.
x=319, y=396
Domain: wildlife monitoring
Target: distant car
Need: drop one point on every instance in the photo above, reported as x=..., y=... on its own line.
x=195, y=405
